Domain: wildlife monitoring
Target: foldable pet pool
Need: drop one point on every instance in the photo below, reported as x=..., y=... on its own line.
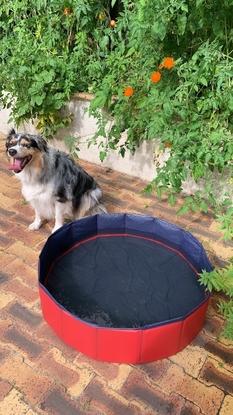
x=123, y=287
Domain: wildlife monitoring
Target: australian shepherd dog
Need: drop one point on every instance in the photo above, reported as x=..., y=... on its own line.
x=52, y=183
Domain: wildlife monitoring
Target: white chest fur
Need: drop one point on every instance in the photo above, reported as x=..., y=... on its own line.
x=39, y=195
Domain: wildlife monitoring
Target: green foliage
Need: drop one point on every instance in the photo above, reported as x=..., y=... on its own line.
x=71, y=144
x=222, y=280
x=45, y=47
x=219, y=280
x=226, y=308
x=191, y=108
x=51, y=49
x=226, y=221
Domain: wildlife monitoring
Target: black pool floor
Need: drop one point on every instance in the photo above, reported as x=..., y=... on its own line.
x=121, y=281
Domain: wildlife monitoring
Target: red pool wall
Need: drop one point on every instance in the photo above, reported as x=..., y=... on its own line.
x=122, y=345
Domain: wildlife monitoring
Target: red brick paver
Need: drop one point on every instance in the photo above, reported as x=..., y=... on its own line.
x=40, y=374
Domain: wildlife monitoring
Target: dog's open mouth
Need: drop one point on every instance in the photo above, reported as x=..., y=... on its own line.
x=18, y=164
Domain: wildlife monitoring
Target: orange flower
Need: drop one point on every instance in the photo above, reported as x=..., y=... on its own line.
x=67, y=11
x=112, y=24
x=155, y=77
x=128, y=91
x=168, y=63
x=167, y=144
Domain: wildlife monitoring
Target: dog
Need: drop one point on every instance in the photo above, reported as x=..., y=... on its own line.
x=54, y=185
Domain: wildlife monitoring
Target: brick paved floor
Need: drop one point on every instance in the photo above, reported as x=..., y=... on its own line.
x=41, y=375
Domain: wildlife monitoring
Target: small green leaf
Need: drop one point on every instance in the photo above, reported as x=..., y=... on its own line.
x=184, y=209
x=159, y=29
x=99, y=101
x=122, y=151
x=102, y=155
x=203, y=81
x=172, y=199
x=204, y=206
x=104, y=42
x=37, y=99
x=181, y=23
x=23, y=110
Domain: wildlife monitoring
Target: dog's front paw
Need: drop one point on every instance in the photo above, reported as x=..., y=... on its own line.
x=35, y=226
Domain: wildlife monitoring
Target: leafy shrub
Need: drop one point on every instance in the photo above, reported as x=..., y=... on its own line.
x=189, y=109
x=45, y=48
x=222, y=280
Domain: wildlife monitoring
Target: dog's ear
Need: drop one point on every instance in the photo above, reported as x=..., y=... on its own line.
x=10, y=134
x=41, y=143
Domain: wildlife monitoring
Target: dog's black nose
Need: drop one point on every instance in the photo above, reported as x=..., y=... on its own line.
x=12, y=152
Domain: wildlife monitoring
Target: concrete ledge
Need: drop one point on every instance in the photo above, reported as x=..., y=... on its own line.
x=141, y=164
x=83, y=127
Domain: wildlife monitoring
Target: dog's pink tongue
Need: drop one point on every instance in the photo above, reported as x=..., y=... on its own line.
x=15, y=165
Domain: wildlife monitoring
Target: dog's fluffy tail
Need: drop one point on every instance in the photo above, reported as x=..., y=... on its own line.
x=99, y=208
x=90, y=203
